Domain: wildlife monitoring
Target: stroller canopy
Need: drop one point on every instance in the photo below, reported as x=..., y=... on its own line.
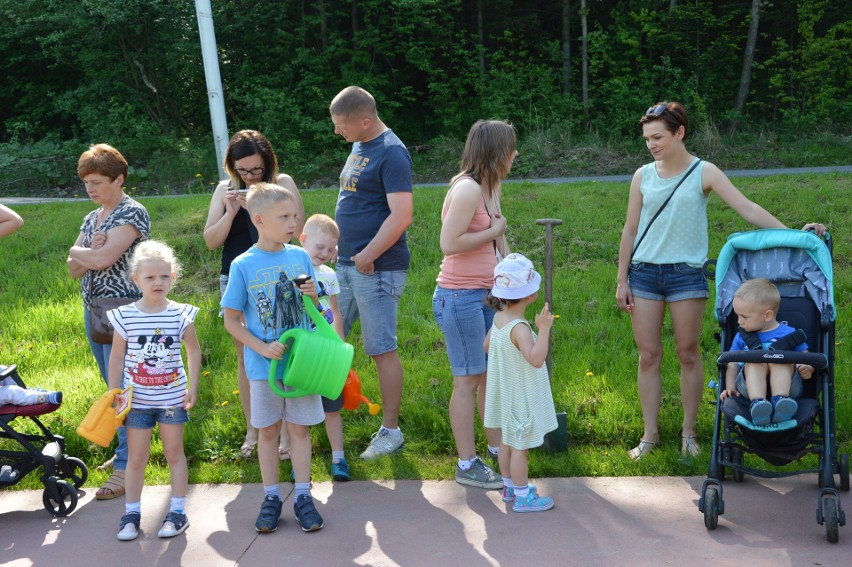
x=797, y=262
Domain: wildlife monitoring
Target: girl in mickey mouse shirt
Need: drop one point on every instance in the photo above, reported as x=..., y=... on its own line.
x=146, y=354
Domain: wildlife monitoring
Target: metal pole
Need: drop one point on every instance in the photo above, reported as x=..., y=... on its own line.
x=210, y=56
x=548, y=274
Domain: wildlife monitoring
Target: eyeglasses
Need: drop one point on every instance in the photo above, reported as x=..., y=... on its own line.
x=253, y=171
x=656, y=110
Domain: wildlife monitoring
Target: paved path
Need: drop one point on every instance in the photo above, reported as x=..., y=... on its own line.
x=634, y=521
x=14, y=201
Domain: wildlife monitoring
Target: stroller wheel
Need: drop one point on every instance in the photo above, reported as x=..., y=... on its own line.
x=829, y=510
x=711, y=507
x=74, y=470
x=66, y=501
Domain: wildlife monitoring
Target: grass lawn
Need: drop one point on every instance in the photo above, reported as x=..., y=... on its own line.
x=594, y=358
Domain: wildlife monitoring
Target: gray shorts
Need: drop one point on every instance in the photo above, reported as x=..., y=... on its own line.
x=267, y=407
x=795, y=386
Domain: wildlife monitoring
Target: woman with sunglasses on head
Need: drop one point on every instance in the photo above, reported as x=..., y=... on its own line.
x=660, y=263
x=249, y=159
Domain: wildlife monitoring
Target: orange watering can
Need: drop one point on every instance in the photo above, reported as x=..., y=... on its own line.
x=317, y=362
x=352, y=396
x=100, y=422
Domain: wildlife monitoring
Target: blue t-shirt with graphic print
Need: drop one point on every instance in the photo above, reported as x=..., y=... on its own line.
x=260, y=285
x=373, y=169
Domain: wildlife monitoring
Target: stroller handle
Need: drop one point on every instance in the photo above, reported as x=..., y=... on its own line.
x=815, y=359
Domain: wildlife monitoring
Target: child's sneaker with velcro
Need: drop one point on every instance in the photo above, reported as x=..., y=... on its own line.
x=307, y=514
x=532, y=502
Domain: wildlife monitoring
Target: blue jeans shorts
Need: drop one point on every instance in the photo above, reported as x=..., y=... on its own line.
x=147, y=418
x=374, y=299
x=464, y=318
x=667, y=282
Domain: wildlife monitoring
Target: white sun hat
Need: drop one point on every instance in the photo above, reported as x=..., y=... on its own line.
x=515, y=278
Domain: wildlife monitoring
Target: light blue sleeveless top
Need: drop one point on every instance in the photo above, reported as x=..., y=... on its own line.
x=679, y=235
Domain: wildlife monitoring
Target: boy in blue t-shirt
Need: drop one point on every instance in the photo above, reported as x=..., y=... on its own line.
x=261, y=289
x=756, y=304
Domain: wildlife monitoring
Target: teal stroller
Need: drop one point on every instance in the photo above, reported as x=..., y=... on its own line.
x=800, y=265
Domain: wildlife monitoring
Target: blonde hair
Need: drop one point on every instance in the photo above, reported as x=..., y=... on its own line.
x=262, y=195
x=320, y=223
x=154, y=250
x=353, y=101
x=760, y=292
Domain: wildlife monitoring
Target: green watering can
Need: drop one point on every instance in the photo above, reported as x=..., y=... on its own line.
x=317, y=363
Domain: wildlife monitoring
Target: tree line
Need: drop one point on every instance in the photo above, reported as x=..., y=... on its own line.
x=130, y=71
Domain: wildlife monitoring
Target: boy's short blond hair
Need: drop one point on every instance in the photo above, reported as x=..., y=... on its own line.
x=760, y=292
x=320, y=223
x=261, y=195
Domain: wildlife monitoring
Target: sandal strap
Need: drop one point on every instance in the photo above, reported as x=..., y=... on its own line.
x=115, y=480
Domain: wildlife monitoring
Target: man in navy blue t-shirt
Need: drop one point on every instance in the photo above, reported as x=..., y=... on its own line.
x=374, y=208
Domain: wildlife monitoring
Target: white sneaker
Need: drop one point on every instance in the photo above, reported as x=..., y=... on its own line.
x=383, y=442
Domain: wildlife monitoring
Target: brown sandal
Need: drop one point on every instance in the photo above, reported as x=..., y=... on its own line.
x=112, y=488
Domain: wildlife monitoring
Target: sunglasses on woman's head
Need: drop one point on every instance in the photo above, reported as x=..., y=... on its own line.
x=656, y=110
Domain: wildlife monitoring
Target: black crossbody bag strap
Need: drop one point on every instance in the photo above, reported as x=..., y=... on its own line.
x=663, y=206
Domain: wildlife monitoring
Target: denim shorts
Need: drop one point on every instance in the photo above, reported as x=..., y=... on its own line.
x=374, y=299
x=223, y=285
x=464, y=318
x=147, y=418
x=667, y=282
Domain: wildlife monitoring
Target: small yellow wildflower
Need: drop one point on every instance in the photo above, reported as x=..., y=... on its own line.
x=223, y=404
x=197, y=175
x=206, y=373
x=589, y=373
x=236, y=392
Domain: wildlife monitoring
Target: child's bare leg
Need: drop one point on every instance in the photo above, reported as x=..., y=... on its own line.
x=138, y=450
x=300, y=451
x=171, y=435
x=504, y=458
x=267, y=453
x=755, y=376
x=780, y=379
x=519, y=467
x=284, y=443
x=334, y=430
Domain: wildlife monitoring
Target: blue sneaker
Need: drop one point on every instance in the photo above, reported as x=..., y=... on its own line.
x=128, y=530
x=307, y=514
x=532, y=502
x=508, y=493
x=761, y=412
x=340, y=471
x=270, y=511
x=174, y=524
x=784, y=408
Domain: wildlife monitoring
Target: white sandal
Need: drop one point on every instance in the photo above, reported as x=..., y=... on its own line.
x=643, y=448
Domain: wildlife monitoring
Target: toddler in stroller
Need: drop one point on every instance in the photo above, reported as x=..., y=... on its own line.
x=799, y=264
x=756, y=304
x=63, y=475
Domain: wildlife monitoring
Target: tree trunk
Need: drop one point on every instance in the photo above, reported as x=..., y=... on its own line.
x=584, y=26
x=480, y=30
x=323, y=24
x=748, y=59
x=566, y=47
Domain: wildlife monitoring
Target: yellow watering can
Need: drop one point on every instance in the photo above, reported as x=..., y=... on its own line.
x=100, y=422
x=317, y=362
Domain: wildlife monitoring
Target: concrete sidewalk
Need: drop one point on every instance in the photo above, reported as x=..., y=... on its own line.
x=597, y=521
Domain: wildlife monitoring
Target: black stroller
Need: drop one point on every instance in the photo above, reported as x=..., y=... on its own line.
x=62, y=476
x=800, y=265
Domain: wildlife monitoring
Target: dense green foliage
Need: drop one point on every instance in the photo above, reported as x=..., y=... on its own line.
x=129, y=72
